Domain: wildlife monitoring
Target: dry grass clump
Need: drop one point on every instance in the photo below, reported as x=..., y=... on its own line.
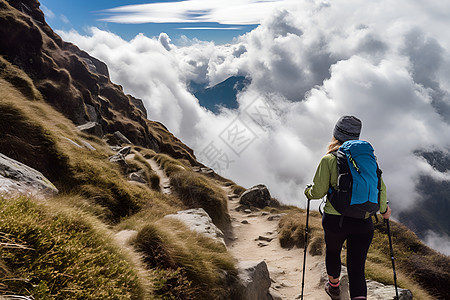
x=196, y=190
x=169, y=165
x=30, y=143
x=291, y=232
x=238, y=190
x=19, y=79
x=198, y=267
x=67, y=254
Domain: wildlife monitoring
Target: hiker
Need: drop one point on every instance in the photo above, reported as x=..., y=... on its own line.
x=337, y=228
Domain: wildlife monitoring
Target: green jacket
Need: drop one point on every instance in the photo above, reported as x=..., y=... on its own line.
x=326, y=175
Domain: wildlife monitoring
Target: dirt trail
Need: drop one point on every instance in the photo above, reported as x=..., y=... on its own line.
x=285, y=266
x=164, y=180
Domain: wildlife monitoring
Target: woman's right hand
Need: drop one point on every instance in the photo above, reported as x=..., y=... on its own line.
x=387, y=214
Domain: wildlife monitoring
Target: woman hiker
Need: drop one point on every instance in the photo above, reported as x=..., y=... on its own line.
x=338, y=228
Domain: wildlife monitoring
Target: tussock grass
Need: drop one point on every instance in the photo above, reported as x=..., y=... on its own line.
x=29, y=142
x=238, y=190
x=69, y=255
x=169, y=165
x=196, y=190
x=291, y=231
x=196, y=263
x=19, y=79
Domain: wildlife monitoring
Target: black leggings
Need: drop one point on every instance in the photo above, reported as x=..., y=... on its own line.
x=359, y=234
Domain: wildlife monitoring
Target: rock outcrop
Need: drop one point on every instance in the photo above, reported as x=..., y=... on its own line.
x=17, y=178
x=93, y=128
x=254, y=280
x=119, y=158
x=257, y=196
x=198, y=220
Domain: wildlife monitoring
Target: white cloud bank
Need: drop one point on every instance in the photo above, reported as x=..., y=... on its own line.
x=438, y=242
x=237, y=12
x=386, y=62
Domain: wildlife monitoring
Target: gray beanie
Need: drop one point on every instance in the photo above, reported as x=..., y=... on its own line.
x=347, y=128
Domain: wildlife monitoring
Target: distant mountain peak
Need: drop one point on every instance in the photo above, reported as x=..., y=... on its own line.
x=223, y=94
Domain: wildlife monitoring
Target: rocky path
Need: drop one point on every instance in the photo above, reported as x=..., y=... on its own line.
x=255, y=239
x=164, y=180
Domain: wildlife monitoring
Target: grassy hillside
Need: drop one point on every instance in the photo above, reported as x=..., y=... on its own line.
x=65, y=247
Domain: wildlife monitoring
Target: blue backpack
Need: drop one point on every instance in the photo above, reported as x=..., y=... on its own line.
x=357, y=193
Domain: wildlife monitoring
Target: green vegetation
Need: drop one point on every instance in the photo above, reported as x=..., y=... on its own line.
x=19, y=79
x=190, y=258
x=291, y=231
x=197, y=190
x=168, y=164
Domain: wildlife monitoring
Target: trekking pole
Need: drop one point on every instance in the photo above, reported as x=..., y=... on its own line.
x=392, y=256
x=306, y=245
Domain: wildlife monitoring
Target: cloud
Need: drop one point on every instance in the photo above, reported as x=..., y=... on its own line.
x=438, y=242
x=385, y=62
x=64, y=19
x=165, y=41
x=210, y=28
x=49, y=14
x=237, y=12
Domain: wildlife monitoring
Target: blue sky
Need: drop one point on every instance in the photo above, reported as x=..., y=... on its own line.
x=171, y=17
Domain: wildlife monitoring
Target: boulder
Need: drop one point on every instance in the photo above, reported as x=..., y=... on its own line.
x=137, y=176
x=125, y=151
x=254, y=280
x=198, y=220
x=121, y=139
x=257, y=196
x=16, y=177
x=379, y=291
x=120, y=157
x=93, y=128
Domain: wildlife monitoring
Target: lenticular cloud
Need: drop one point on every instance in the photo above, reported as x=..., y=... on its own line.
x=385, y=62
